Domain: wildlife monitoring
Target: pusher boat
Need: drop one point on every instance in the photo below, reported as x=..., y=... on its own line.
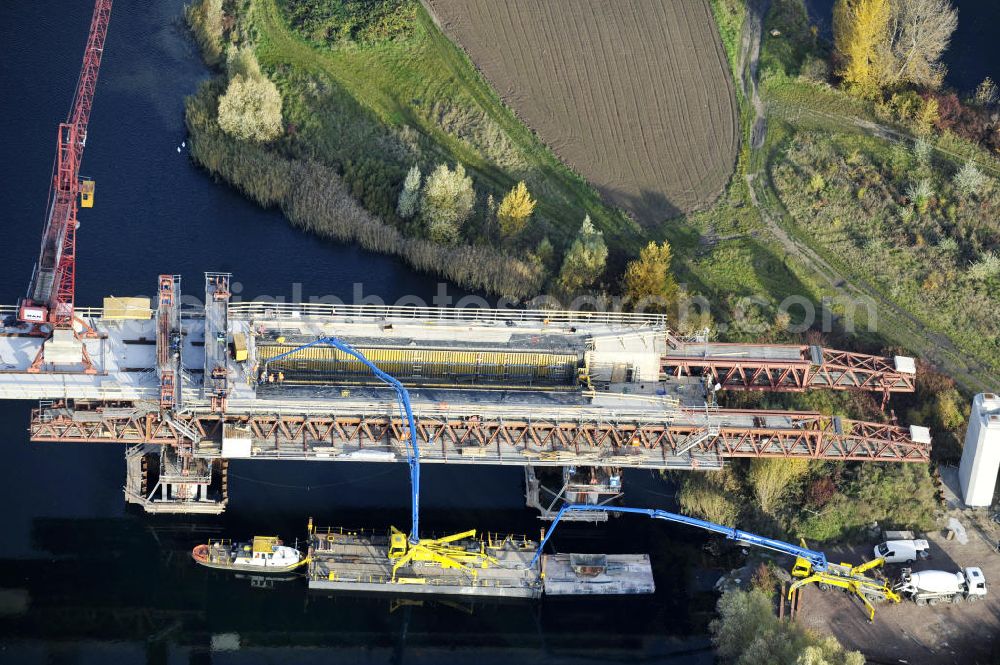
x=264, y=554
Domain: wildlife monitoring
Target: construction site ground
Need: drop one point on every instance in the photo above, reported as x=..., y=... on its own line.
x=967, y=633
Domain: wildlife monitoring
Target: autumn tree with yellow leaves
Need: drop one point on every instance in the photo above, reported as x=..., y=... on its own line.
x=515, y=209
x=648, y=282
x=883, y=43
x=861, y=33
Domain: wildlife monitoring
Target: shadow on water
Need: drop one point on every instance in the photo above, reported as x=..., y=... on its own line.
x=82, y=577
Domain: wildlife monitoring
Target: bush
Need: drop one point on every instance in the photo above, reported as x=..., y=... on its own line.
x=986, y=93
x=746, y=632
x=969, y=180
x=545, y=252
x=771, y=479
x=409, y=197
x=928, y=115
x=821, y=491
x=949, y=110
x=250, y=110
x=922, y=150
x=816, y=183
x=901, y=107
x=206, y=21
x=920, y=194
x=816, y=70
x=448, y=199
x=977, y=124
x=987, y=267
x=242, y=61
x=584, y=262
x=711, y=495
x=922, y=114
x=361, y=21
x=515, y=209
x=649, y=284
x=764, y=579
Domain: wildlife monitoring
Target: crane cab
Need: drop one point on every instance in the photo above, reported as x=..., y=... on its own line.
x=398, y=545
x=87, y=193
x=239, y=347
x=802, y=567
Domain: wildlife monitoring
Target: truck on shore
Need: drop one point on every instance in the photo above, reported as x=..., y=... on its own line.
x=930, y=587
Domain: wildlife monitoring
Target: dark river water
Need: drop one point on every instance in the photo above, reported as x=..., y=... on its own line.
x=83, y=580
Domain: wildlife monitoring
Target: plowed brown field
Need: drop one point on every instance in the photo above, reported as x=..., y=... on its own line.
x=634, y=94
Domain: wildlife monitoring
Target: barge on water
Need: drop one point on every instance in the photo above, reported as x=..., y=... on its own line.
x=464, y=564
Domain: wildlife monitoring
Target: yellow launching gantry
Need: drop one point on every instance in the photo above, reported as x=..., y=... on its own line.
x=850, y=578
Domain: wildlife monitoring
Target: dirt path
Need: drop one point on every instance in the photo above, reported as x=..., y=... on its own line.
x=749, y=62
x=933, y=347
x=849, y=123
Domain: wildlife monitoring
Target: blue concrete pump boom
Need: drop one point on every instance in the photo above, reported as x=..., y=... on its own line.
x=403, y=397
x=817, y=559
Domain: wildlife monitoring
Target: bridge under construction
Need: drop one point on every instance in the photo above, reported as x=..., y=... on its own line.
x=187, y=388
x=574, y=396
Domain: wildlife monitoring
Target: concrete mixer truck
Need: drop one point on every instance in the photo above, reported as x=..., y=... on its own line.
x=930, y=587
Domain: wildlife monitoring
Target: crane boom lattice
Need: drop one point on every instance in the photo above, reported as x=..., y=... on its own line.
x=51, y=293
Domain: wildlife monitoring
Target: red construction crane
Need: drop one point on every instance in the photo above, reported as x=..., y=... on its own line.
x=50, y=295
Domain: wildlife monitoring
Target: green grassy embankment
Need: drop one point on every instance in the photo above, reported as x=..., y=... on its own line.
x=729, y=17
x=366, y=111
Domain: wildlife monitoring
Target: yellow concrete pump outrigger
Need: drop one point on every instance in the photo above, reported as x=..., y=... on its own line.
x=850, y=578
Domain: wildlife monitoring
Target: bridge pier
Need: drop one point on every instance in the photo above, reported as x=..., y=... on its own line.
x=182, y=484
x=547, y=489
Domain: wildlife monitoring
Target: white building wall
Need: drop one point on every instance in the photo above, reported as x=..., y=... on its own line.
x=980, y=463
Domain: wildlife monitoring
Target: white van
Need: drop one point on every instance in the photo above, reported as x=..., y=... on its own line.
x=902, y=551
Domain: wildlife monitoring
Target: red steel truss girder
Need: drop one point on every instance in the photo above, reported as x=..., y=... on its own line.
x=807, y=435
x=839, y=370
x=866, y=371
